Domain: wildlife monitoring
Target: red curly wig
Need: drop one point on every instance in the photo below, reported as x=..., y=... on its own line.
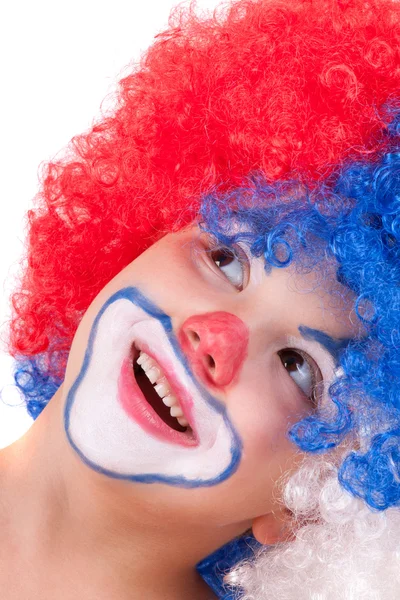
x=286, y=87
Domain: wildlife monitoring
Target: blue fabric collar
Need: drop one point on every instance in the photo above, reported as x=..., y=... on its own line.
x=213, y=568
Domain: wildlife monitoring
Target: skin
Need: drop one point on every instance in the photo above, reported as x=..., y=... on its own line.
x=70, y=531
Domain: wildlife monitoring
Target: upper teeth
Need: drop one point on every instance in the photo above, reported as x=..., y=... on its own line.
x=155, y=375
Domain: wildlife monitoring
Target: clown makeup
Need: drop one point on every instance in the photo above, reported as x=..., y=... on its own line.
x=185, y=438
x=190, y=366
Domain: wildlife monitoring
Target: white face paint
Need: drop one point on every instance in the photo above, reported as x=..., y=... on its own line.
x=112, y=426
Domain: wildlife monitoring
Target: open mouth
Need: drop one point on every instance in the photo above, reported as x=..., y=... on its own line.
x=157, y=391
x=117, y=413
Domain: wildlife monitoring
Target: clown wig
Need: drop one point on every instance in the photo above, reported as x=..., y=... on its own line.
x=284, y=116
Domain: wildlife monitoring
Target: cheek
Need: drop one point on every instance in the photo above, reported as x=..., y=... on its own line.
x=265, y=407
x=267, y=456
x=263, y=428
x=263, y=416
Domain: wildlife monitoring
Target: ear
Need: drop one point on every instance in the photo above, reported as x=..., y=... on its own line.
x=276, y=526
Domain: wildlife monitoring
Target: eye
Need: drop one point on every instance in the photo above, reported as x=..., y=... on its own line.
x=233, y=263
x=304, y=371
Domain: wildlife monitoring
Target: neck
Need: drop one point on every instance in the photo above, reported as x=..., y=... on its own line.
x=60, y=516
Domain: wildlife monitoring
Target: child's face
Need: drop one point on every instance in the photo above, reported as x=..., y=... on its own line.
x=241, y=356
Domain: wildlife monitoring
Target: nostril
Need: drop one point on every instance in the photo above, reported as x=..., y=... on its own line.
x=193, y=337
x=210, y=362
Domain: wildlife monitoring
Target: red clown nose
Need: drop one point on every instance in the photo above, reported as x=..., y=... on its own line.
x=216, y=346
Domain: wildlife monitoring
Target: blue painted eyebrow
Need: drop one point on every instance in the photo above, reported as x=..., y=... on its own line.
x=333, y=345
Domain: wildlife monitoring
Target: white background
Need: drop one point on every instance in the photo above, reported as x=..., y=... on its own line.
x=59, y=60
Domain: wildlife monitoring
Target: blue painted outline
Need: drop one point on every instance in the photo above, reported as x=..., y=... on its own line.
x=333, y=345
x=136, y=297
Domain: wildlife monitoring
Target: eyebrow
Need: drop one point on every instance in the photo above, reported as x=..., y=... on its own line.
x=333, y=345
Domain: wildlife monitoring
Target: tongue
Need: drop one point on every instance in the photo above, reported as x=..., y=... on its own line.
x=155, y=401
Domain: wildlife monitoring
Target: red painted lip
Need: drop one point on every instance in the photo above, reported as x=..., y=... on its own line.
x=136, y=406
